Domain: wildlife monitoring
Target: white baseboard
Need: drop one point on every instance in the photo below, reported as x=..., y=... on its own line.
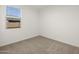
x=8, y=43
x=60, y=41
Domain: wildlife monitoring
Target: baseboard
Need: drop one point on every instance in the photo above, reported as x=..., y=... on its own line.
x=19, y=40
x=60, y=41
x=42, y=36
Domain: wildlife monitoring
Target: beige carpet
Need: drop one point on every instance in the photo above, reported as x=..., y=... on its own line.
x=39, y=45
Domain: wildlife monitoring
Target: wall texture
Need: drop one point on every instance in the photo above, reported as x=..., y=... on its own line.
x=61, y=23
x=29, y=26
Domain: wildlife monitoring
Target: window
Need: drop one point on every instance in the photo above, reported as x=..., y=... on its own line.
x=13, y=17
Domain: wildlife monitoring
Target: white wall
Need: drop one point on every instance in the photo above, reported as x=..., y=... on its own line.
x=29, y=26
x=56, y=22
x=1, y=24
x=61, y=23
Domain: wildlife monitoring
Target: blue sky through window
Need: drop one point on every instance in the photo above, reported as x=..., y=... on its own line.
x=11, y=11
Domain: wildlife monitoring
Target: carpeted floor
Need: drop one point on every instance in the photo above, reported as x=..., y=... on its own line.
x=39, y=45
